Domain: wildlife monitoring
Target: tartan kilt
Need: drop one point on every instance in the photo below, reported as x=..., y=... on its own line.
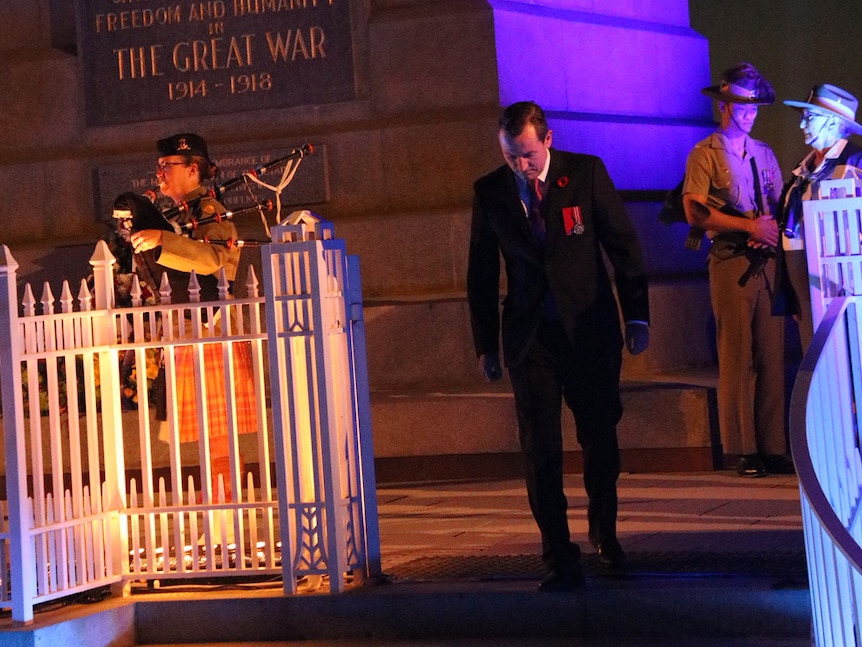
x=245, y=402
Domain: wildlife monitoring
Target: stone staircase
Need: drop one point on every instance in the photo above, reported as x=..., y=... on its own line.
x=435, y=418
x=697, y=611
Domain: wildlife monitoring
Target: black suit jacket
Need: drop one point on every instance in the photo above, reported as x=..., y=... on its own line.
x=571, y=267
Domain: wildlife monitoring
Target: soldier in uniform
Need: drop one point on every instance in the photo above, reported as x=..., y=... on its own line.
x=182, y=167
x=731, y=189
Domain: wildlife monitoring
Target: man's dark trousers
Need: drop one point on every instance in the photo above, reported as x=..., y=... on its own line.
x=587, y=379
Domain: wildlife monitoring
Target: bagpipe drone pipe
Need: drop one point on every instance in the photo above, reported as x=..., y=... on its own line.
x=138, y=212
x=134, y=212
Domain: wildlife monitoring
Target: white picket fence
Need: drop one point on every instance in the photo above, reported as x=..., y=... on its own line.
x=100, y=494
x=825, y=416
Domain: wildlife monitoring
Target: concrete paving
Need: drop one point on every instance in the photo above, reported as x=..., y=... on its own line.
x=715, y=560
x=678, y=512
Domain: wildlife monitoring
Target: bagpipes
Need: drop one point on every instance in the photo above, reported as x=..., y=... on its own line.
x=134, y=212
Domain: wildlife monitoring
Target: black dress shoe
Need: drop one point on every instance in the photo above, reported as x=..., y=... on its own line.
x=751, y=465
x=557, y=580
x=611, y=554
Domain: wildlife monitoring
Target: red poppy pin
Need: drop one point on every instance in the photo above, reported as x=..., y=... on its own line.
x=563, y=181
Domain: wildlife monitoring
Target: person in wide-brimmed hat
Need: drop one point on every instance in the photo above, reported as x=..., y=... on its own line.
x=828, y=118
x=732, y=183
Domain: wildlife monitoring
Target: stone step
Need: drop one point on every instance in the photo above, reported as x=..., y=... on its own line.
x=426, y=342
x=681, y=610
x=458, y=612
x=669, y=424
x=802, y=641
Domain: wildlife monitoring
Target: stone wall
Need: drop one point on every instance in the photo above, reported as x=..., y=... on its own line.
x=399, y=160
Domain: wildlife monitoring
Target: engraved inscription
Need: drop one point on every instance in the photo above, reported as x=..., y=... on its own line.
x=146, y=59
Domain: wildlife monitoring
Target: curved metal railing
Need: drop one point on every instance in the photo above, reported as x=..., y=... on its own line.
x=825, y=440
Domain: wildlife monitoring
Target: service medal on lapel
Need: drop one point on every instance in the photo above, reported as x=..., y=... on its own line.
x=573, y=221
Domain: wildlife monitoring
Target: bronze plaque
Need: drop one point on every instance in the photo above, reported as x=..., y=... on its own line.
x=147, y=59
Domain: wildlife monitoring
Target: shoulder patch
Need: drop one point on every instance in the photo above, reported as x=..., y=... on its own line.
x=208, y=208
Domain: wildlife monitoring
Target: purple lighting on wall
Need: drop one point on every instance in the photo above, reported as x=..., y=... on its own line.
x=623, y=84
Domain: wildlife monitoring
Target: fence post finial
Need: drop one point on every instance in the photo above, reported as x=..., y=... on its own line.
x=103, y=261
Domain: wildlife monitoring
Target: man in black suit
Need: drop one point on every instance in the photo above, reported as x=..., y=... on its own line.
x=551, y=213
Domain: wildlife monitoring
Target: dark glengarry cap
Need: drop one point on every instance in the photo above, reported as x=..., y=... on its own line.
x=183, y=144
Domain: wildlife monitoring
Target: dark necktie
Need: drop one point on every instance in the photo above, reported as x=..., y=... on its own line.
x=534, y=213
x=537, y=225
